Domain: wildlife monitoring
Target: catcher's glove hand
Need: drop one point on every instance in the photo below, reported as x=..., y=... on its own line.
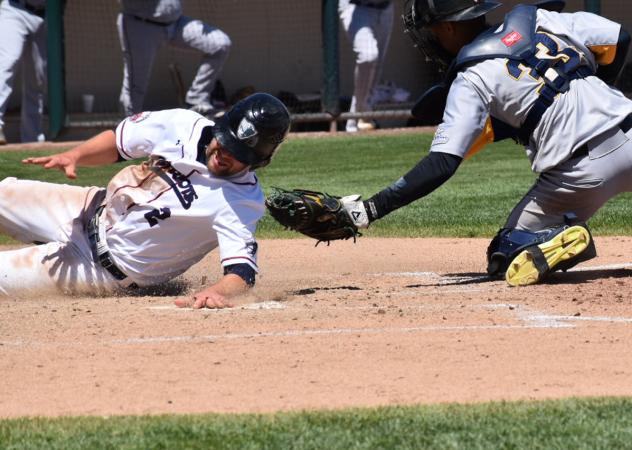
x=315, y=214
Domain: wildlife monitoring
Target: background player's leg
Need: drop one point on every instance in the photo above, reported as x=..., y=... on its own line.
x=34, y=82
x=139, y=42
x=13, y=36
x=383, y=30
x=215, y=46
x=359, y=24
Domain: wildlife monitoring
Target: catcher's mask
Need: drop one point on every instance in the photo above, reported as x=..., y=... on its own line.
x=421, y=14
x=252, y=130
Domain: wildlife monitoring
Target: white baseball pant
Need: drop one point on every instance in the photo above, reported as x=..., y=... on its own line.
x=53, y=216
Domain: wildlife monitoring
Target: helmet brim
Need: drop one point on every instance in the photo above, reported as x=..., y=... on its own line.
x=470, y=13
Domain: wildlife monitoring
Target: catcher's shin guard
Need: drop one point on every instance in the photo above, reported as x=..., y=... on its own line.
x=566, y=248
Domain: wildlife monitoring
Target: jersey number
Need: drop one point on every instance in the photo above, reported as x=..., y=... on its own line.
x=155, y=214
x=547, y=49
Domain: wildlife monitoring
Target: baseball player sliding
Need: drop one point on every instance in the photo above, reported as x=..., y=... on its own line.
x=545, y=79
x=196, y=191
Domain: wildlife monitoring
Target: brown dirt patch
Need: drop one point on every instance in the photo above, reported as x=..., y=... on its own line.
x=382, y=322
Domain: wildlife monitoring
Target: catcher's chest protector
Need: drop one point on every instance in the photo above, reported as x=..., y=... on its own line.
x=517, y=40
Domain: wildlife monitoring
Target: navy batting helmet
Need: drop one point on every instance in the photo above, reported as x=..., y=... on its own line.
x=252, y=130
x=420, y=14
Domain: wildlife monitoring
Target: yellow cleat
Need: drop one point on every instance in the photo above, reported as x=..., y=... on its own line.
x=532, y=264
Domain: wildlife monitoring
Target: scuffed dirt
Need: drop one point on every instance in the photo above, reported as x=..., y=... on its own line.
x=381, y=322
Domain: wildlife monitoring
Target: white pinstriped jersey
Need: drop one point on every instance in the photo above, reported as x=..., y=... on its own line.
x=507, y=91
x=161, y=220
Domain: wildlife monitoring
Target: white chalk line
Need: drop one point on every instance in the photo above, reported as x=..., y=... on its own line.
x=372, y=307
x=530, y=320
x=249, y=306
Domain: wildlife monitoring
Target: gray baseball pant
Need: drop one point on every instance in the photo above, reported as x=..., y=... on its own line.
x=23, y=38
x=580, y=185
x=140, y=41
x=369, y=31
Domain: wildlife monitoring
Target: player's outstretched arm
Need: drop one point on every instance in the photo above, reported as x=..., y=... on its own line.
x=217, y=295
x=97, y=151
x=430, y=173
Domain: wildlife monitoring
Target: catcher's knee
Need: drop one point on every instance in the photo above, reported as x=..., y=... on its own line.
x=510, y=242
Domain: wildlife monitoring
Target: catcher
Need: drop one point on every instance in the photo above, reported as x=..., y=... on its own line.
x=196, y=191
x=544, y=79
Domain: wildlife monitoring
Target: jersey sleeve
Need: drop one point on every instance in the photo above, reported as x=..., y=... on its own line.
x=596, y=33
x=465, y=120
x=235, y=226
x=138, y=135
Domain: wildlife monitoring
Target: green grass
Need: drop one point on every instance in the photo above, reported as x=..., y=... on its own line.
x=474, y=203
x=567, y=424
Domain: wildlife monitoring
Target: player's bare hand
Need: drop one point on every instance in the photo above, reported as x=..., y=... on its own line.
x=62, y=161
x=204, y=299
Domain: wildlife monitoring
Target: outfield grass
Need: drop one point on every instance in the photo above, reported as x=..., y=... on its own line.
x=568, y=424
x=474, y=203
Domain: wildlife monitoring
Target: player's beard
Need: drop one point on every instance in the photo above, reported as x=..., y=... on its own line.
x=223, y=164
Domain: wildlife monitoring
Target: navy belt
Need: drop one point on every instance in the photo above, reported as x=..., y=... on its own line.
x=99, y=249
x=376, y=5
x=40, y=12
x=625, y=126
x=153, y=22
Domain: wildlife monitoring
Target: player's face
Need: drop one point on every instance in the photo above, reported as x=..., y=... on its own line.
x=220, y=162
x=452, y=36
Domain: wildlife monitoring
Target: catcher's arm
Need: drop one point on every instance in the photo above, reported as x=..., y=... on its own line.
x=430, y=173
x=609, y=71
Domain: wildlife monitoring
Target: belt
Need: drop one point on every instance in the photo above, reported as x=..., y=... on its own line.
x=625, y=126
x=40, y=12
x=100, y=251
x=376, y=5
x=153, y=22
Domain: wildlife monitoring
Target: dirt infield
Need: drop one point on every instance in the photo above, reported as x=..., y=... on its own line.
x=382, y=322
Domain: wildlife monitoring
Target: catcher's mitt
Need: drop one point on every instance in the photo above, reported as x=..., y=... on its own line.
x=315, y=214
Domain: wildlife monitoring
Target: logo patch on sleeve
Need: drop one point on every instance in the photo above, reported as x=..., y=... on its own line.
x=139, y=117
x=440, y=137
x=512, y=39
